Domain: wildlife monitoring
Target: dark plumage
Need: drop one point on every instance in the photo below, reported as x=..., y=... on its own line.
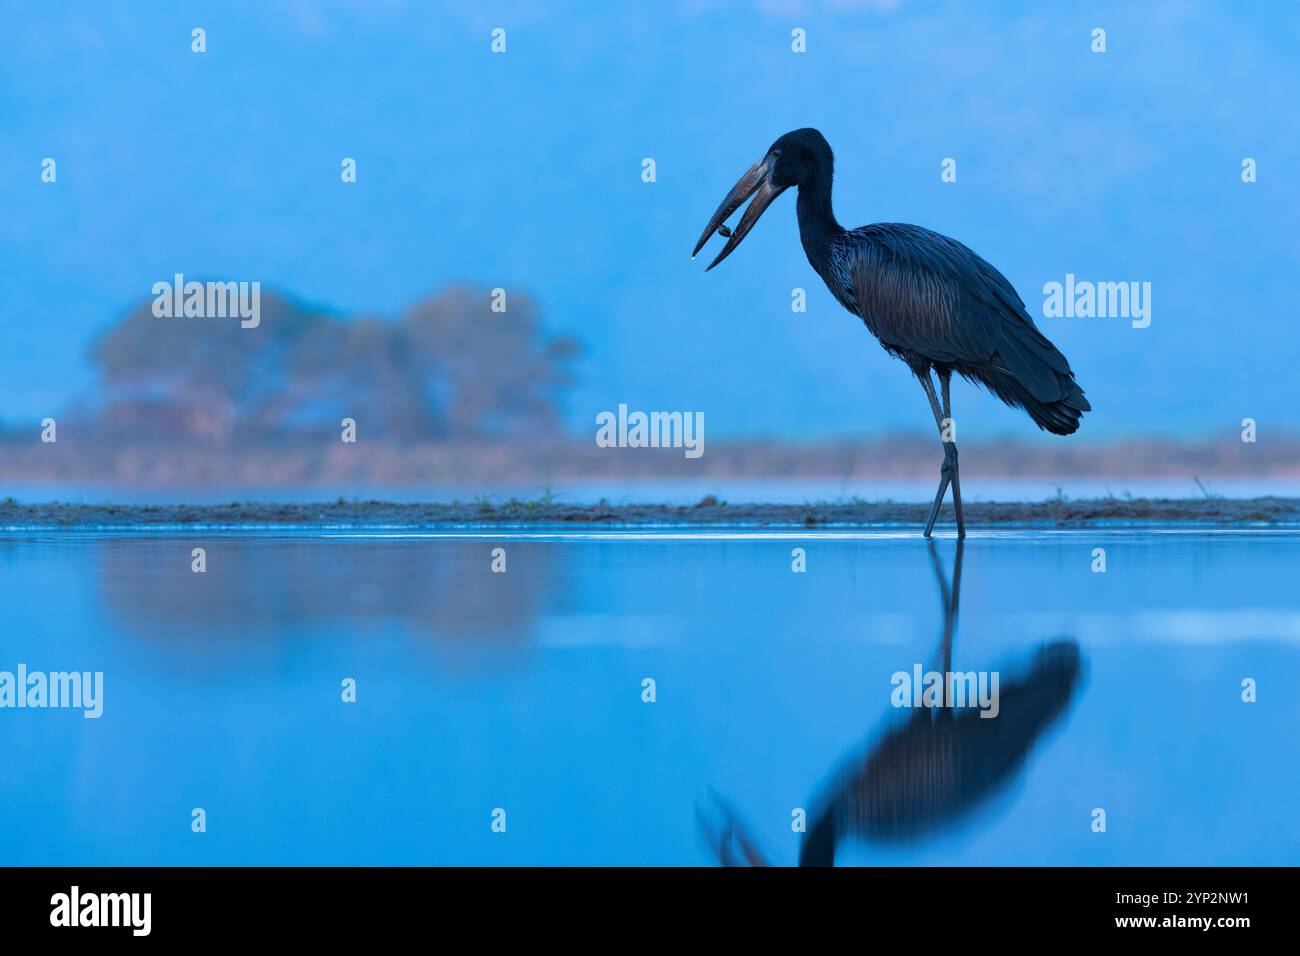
x=934, y=303
x=927, y=298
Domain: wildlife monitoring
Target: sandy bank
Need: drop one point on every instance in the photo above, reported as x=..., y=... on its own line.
x=1209, y=512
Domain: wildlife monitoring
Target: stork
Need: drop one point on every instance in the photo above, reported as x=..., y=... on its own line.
x=928, y=299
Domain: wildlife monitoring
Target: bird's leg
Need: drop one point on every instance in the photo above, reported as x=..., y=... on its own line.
x=945, y=377
x=945, y=470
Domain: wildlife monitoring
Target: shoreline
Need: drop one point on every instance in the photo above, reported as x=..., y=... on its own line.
x=709, y=512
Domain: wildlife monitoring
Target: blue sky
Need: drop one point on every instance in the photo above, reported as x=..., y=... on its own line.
x=523, y=170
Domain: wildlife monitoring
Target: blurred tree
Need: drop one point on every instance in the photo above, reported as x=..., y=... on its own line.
x=449, y=367
x=491, y=372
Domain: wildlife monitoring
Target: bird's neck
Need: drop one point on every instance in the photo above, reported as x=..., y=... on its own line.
x=817, y=226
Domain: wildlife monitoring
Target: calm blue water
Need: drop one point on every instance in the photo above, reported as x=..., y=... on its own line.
x=523, y=691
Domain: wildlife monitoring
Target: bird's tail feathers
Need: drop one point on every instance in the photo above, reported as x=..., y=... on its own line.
x=1029, y=372
x=1060, y=416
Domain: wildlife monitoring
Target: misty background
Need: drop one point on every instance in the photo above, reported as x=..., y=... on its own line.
x=523, y=171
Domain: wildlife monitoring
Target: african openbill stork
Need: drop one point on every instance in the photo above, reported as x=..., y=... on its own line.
x=928, y=299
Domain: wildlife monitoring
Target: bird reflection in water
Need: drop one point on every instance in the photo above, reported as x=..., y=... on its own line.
x=930, y=771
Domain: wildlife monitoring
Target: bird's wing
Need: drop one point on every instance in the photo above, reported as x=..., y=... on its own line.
x=923, y=292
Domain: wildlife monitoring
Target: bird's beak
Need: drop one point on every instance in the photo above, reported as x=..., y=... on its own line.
x=756, y=182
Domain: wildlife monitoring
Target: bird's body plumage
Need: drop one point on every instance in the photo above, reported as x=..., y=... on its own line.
x=934, y=303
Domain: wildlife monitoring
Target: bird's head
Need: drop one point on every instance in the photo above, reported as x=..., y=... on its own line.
x=793, y=160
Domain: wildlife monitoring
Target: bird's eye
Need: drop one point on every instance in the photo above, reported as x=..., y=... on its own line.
x=776, y=154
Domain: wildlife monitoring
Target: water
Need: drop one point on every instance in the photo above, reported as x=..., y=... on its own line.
x=523, y=691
